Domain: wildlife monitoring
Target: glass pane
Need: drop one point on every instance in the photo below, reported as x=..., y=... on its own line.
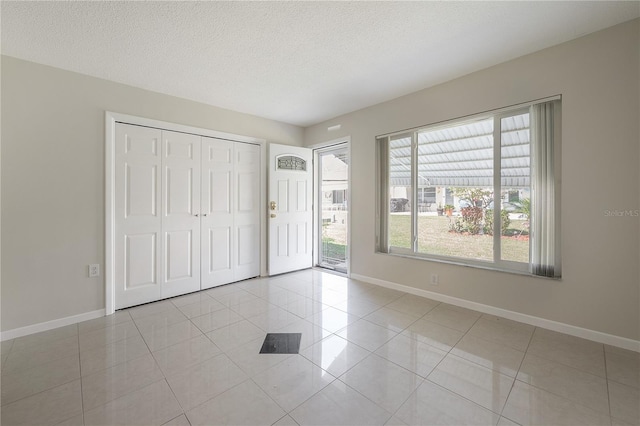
x=455, y=168
x=334, y=185
x=290, y=162
x=515, y=179
x=400, y=192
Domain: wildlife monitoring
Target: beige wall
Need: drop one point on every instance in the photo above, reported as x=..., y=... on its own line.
x=53, y=181
x=598, y=78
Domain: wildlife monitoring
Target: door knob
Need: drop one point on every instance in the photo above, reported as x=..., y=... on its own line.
x=205, y=215
x=196, y=215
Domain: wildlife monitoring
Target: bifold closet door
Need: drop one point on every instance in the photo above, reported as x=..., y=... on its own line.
x=187, y=213
x=157, y=207
x=180, y=213
x=138, y=222
x=231, y=211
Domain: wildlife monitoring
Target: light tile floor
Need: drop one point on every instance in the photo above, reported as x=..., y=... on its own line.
x=368, y=356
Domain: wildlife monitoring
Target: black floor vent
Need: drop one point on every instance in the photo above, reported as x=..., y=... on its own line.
x=281, y=343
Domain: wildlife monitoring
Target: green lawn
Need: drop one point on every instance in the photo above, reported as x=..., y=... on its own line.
x=331, y=250
x=334, y=237
x=434, y=238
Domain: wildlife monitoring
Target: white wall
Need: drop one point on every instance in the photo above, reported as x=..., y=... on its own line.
x=53, y=181
x=598, y=78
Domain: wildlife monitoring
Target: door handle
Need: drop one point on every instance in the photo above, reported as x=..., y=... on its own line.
x=272, y=205
x=196, y=215
x=205, y=215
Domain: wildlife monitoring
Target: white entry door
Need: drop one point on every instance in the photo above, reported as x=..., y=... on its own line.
x=181, y=213
x=290, y=208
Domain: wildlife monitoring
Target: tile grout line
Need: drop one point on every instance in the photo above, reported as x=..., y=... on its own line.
x=463, y=397
x=49, y=388
x=563, y=398
x=426, y=379
x=174, y=394
x=606, y=380
x=515, y=378
x=558, y=395
x=449, y=353
x=81, y=381
x=222, y=352
x=423, y=379
x=164, y=377
x=311, y=396
x=365, y=396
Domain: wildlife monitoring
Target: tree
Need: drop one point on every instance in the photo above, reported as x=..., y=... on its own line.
x=524, y=207
x=477, y=200
x=476, y=197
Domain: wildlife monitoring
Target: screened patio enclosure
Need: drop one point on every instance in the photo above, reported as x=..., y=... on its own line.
x=459, y=157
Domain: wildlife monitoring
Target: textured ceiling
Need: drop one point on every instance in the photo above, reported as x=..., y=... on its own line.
x=297, y=62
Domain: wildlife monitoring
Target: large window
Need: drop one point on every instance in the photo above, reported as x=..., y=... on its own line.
x=480, y=191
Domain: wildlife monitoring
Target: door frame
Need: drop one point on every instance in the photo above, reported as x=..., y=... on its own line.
x=111, y=118
x=317, y=202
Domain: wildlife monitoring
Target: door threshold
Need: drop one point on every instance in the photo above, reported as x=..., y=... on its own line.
x=330, y=271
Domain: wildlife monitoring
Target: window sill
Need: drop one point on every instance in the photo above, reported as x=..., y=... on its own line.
x=473, y=264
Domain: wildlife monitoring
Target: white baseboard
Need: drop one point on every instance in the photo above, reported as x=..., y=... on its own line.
x=49, y=325
x=585, y=333
x=597, y=336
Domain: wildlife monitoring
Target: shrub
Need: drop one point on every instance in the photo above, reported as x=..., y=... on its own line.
x=472, y=219
x=456, y=226
x=504, y=222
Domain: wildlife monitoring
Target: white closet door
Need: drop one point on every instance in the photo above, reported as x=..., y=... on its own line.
x=138, y=224
x=180, y=213
x=217, y=212
x=187, y=213
x=247, y=211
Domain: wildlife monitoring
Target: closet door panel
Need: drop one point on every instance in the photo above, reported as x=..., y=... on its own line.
x=140, y=260
x=219, y=254
x=140, y=183
x=138, y=225
x=247, y=211
x=179, y=191
x=217, y=220
x=181, y=213
x=180, y=259
x=220, y=192
x=246, y=240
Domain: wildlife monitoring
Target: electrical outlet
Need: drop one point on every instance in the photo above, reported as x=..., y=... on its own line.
x=94, y=270
x=435, y=280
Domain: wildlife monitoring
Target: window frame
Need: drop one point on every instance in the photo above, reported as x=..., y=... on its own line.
x=383, y=245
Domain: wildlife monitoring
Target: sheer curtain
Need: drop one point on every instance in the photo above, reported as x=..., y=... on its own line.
x=545, y=226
